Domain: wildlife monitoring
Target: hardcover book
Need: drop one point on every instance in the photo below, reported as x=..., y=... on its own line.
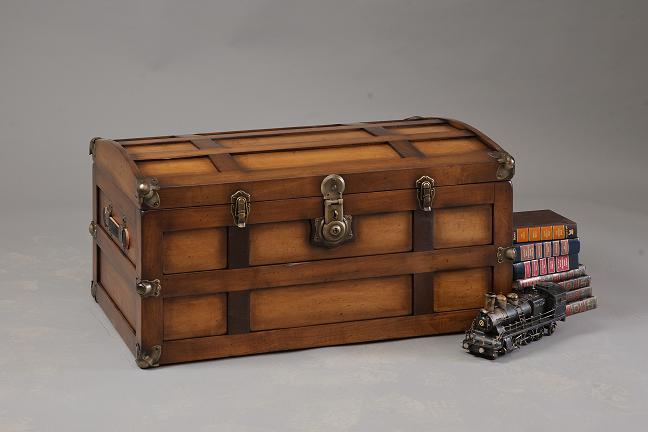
x=546, y=249
x=544, y=266
x=555, y=277
x=541, y=225
x=578, y=294
x=581, y=306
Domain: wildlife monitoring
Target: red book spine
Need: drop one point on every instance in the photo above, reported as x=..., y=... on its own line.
x=580, y=306
x=578, y=294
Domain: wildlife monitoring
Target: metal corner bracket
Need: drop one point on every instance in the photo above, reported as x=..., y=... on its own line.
x=92, y=229
x=507, y=253
x=150, y=359
x=506, y=169
x=148, y=288
x=147, y=191
x=93, y=289
x=93, y=146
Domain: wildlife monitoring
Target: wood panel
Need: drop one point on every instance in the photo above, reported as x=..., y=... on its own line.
x=503, y=227
x=118, y=286
x=138, y=150
x=449, y=146
x=461, y=289
x=195, y=250
x=316, y=336
x=463, y=226
x=207, y=282
x=295, y=138
x=198, y=316
x=302, y=158
x=290, y=241
x=188, y=166
x=330, y=302
x=115, y=316
x=421, y=129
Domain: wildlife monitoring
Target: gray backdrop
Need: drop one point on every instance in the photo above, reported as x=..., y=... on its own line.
x=560, y=84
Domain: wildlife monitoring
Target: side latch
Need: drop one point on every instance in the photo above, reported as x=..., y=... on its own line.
x=147, y=192
x=115, y=228
x=506, y=169
x=240, y=207
x=425, y=192
x=150, y=359
x=148, y=288
x=508, y=253
x=335, y=227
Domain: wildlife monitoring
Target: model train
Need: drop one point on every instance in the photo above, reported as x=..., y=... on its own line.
x=508, y=322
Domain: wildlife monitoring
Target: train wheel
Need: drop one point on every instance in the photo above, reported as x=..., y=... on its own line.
x=551, y=328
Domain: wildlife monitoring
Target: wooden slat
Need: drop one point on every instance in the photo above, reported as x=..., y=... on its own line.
x=401, y=146
x=461, y=289
x=187, y=191
x=116, y=256
x=330, y=302
x=150, y=328
x=210, y=282
x=315, y=336
x=194, y=250
x=260, y=148
x=222, y=162
x=310, y=208
x=276, y=131
x=116, y=318
x=503, y=227
x=195, y=316
x=463, y=226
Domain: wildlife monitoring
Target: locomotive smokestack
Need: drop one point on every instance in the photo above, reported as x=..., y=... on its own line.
x=489, y=302
x=513, y=298
x=501, y=301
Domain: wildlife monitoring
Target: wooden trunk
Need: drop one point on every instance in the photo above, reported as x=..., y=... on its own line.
x=223, y=244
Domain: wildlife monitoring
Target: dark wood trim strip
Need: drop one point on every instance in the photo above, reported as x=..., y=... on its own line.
x=502, y=237
x=116, y=317
x=259, y=277
x=222, y=162
x=238, y=303
x=403, y=146
x=316, y=336
x=262, y=148
x=422, y=284
x=276, y=131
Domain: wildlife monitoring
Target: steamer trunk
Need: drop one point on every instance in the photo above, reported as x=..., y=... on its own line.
x=234, y=243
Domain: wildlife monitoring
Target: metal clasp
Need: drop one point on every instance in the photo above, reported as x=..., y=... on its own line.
x=335, y=227
x=506, y=168
x=425, y=192
x=240, y=207
x=508, y=253
x=148, y=288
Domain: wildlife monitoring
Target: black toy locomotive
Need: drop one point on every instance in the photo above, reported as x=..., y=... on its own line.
x=508, y=322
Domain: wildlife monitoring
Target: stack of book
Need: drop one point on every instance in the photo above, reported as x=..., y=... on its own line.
x=546, y=249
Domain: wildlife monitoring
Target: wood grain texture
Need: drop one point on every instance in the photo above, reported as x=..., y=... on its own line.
x=119, y=285
x=195, y=250
x=334, y=135
x=330, y=302
x=316, y=336
x=151, y=149
x=302, y=158
x=198, y=316
x=291, y=240
x=208, y=282
x=450, y=146
x=461, y=289
x=117, y=319
x=165, y=168
x=463, y=226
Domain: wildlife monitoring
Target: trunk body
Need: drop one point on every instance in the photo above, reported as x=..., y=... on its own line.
x=226, y=244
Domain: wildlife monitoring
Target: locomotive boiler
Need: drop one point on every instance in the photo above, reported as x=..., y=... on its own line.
x=508, y=322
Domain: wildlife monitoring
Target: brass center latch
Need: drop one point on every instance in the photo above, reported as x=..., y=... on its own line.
x=425, y=192
x=240, y=208
x=335, y=227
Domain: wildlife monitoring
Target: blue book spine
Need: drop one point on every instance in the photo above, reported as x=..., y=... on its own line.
x=546, y=249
